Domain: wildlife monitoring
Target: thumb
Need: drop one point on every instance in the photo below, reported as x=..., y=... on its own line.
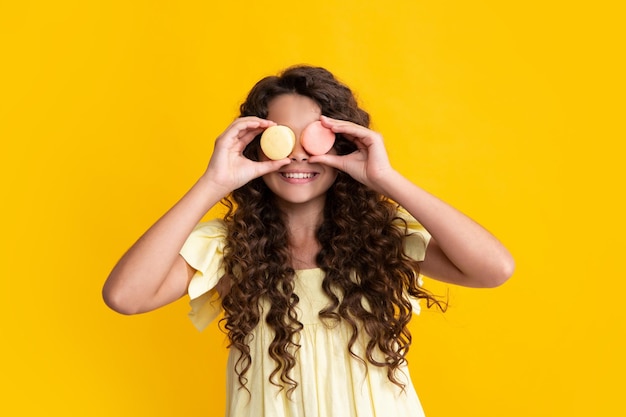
x=334, y=161
x=266, y=167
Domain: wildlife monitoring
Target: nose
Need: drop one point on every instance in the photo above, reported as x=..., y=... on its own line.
x=298, y=153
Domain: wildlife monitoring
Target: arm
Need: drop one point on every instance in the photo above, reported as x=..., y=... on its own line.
x=152, y=273
x=461, y=251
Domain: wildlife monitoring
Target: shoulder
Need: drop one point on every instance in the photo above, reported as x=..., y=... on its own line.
x=417, y=237
x=404, y=219
x=205, y=245
x=210, y=228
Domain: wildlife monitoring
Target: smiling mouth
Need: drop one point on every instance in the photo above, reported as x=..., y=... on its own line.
x=298, y=175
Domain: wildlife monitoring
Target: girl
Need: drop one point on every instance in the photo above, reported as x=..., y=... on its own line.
x=316, y=264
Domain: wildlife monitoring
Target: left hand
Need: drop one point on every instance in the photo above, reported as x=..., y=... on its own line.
x=369, y=164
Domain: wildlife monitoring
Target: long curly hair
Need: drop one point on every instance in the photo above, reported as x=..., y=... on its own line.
x=368, y=277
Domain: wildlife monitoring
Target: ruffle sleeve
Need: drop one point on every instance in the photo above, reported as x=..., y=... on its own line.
x=415, y=245
x=203, y=251
x=417, y=240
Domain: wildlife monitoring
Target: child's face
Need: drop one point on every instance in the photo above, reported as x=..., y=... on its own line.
x=300, y=181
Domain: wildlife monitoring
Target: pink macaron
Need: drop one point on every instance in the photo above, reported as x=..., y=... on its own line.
x=317, y=139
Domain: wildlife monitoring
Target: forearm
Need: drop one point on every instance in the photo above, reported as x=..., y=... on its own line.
x=477, y=258
x=461, y=251
x=143, y=270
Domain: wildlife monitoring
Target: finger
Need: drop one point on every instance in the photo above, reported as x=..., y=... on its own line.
x=334, y=161
x=242, y=126
x=265, y=167
x=349, y=130
x=249, y=135
x=245, y=130
x=251, y=119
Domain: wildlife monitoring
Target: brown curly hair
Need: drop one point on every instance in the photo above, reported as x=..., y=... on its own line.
x=361, y=252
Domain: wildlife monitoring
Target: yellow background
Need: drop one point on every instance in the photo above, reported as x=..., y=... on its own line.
x=511, y=111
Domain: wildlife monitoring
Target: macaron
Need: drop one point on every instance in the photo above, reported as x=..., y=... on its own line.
x=317, y=139
x=277, y=142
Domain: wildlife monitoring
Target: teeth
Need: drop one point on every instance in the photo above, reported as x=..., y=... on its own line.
x=298, y=175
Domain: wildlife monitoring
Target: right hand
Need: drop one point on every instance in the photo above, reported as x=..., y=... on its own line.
x=228, y=167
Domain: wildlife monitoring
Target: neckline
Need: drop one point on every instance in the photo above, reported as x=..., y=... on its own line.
x=299, y=271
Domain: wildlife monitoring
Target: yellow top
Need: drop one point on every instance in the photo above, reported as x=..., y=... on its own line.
x=330, y=381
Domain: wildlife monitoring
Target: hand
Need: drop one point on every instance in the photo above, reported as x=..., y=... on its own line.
x=228, y=167
x=369, y=164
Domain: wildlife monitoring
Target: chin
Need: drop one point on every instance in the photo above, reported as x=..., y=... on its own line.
x=300, y=199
